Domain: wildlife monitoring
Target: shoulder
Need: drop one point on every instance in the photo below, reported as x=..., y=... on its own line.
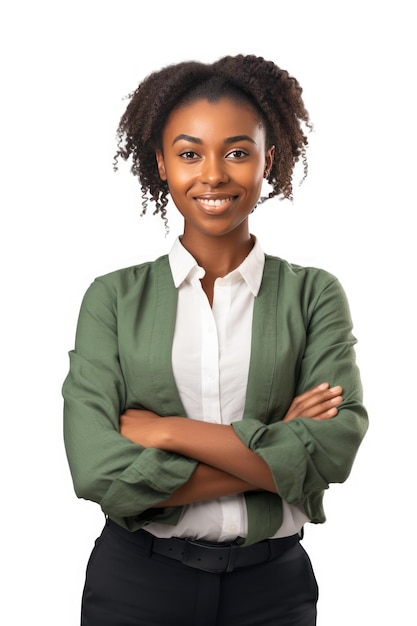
x=127, y=277
x=135, y=272
x=305, y=286
x=129, y=282
x=284, y=270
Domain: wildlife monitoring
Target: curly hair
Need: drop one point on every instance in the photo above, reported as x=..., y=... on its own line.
x=275, y=94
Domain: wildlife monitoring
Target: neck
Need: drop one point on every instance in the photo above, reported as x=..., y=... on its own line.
x=218, y=255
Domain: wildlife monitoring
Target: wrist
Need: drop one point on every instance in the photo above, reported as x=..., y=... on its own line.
x=169, y=435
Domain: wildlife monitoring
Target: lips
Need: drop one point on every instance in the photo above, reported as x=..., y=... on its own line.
x=214, y=204
x=214, y=201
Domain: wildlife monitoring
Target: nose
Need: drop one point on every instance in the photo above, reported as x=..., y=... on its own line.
x=213, y=171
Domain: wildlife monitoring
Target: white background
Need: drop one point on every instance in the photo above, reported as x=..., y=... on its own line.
x=66, y=218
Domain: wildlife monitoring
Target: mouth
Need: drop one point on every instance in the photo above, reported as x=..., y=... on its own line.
x=215, y=205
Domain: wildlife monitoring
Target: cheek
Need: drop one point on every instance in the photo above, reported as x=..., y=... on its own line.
x=253, y=177
x=178, y=177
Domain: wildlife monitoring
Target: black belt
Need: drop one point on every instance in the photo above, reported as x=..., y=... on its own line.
x=212, y=557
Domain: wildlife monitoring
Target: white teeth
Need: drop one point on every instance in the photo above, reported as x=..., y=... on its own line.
x=218, y=202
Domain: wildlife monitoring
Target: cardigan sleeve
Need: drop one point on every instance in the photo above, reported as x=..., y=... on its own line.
x=126, y=479
x=306, y=455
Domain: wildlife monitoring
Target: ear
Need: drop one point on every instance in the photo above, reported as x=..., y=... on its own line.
x=161, y=164
x=269, y=160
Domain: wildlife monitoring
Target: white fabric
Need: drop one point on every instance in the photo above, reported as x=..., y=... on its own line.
x=210, y=359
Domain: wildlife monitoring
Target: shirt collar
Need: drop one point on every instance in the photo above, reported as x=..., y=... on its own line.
x=184, y=266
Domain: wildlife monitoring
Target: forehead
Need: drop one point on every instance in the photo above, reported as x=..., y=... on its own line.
x=224, y=117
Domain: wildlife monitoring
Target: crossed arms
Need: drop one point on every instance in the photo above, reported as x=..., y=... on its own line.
x=226, y=466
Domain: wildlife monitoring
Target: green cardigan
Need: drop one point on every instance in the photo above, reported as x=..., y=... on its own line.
x=122, y=359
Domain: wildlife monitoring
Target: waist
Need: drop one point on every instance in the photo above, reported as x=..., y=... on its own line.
x=214, y=557
x=225, y=519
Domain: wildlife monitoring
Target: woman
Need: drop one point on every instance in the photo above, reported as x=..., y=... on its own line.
x=203, y=407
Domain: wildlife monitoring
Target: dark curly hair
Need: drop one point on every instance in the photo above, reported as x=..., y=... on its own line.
x=270, y=90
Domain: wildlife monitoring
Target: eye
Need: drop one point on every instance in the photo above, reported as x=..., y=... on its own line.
x=237, y=154
x=189, y=155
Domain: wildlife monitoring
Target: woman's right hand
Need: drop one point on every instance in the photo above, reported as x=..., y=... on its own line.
x=318, y=403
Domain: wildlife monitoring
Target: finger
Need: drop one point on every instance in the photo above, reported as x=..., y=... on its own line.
x=316, y=411
x=326, y=415
x=323, y=407
x=317, y=401
x=317, y=394
x=312, y=392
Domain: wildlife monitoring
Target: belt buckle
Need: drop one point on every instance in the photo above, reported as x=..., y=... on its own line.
x=207, y=558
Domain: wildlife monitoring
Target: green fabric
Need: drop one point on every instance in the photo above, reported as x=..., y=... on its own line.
x=122, y=359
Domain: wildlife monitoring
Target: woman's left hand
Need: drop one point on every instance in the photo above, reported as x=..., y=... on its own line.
x=143, y=427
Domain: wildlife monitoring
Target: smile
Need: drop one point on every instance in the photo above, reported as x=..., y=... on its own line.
x=215, y=202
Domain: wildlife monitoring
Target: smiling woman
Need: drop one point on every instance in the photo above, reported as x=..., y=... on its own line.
x=215, y=171
x=213, y=394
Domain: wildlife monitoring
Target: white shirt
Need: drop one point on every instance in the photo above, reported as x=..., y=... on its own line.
x=210, y=359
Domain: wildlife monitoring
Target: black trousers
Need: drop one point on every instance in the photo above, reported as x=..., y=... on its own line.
x=125, y=586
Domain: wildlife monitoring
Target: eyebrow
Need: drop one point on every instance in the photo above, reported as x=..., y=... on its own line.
x=192, y=139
